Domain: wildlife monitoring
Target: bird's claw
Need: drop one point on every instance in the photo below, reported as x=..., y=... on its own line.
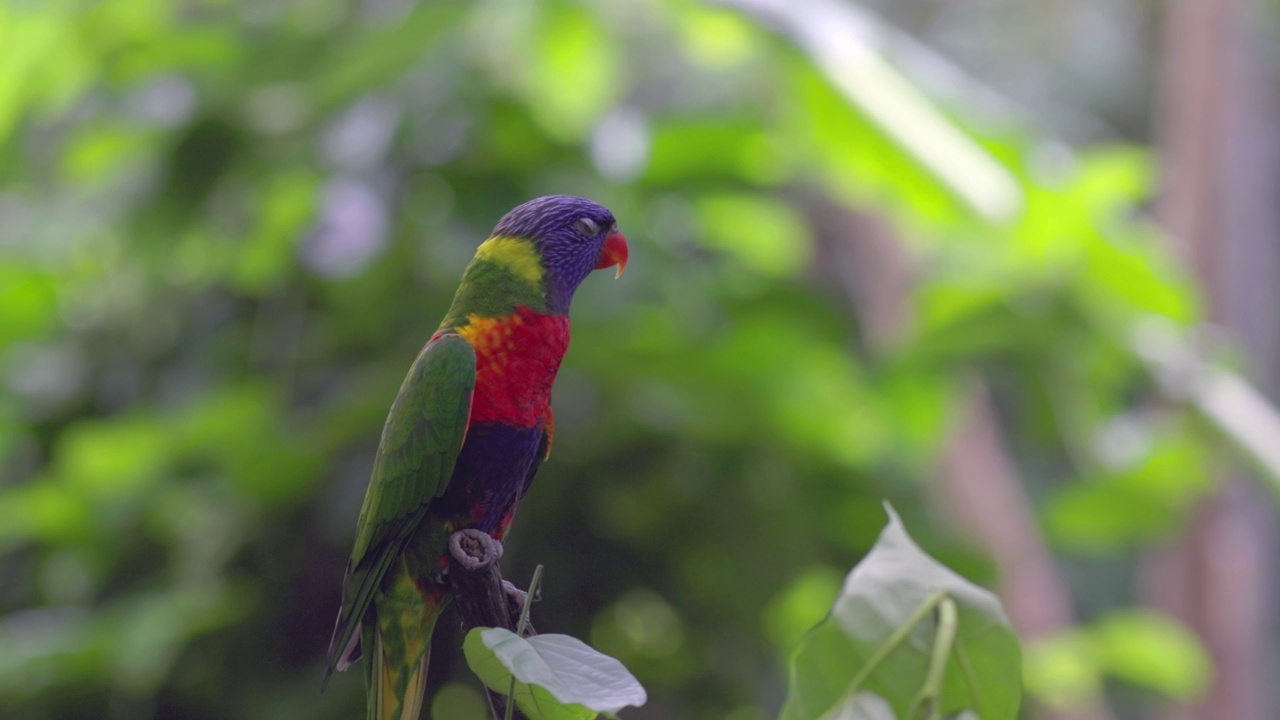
x=515, y=595
x=516, y=600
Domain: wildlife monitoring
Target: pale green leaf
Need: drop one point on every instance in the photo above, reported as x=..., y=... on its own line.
x=557, y=677
x=863, y=706
x=884, y=593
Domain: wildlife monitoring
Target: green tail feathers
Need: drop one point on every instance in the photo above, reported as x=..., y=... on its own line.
x=398, y=648
x=395, y=693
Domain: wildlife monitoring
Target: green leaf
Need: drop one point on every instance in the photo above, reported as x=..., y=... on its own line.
x=880, y=636
x=719, y=39
x=863, y=706
x=794, y=610
x=241, y=430
x=98, y=152
x=859, y=161
x=28, y=301
x=122, y=457
x=43, y=510
x=557, y=677
x=1154, y=652
x=1141, y=648
x=285, y=205
x=459, y=700
x=372, y=58
x=764, y=234
x=1061, y=670
x=573, y=76
x=1130, y=269
x=712, y=147
x=1126, y=505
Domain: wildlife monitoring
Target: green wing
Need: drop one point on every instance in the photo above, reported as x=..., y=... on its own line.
x=419, y=446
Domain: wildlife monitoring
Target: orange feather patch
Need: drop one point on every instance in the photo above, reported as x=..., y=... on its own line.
x=517, y=356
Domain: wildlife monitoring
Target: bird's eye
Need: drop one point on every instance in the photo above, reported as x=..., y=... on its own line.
x=587, y=226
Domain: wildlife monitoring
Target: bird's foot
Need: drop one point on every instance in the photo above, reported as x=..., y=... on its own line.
x=516, y=599
x=515, y=595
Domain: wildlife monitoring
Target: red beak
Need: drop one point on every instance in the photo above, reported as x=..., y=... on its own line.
x=614, y=253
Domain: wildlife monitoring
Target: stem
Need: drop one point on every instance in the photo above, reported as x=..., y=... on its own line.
x=524, y=620
x=895, y=640
x=931, y=691
x=528, y=599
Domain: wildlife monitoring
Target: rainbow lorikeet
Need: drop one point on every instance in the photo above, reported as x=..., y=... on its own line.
x=464, y=438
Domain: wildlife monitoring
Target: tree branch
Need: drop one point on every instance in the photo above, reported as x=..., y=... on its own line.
x=482, y=597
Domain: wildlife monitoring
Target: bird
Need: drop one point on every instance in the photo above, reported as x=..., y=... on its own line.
x=464, y=437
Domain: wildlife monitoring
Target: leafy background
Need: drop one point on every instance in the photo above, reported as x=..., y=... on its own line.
x=227, y=226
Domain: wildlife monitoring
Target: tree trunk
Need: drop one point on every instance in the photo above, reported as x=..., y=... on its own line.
x=1216, y=123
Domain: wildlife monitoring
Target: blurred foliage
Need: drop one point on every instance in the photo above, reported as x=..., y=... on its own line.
x=907, y=631
x=227, y=227
x=1141, y=648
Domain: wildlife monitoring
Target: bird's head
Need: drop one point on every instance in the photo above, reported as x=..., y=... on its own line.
x=572, y=236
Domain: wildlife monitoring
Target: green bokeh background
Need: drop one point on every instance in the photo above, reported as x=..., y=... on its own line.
x=227, y=227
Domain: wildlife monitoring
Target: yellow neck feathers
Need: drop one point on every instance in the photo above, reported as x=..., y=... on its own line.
x=517, y=255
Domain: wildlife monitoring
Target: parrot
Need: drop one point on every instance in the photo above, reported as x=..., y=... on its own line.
x=465, y=435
